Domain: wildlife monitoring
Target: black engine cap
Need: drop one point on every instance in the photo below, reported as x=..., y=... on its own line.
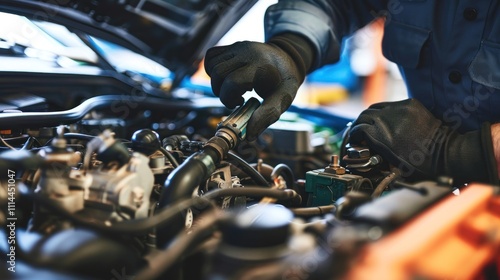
x=261, y=225
x=146, y=141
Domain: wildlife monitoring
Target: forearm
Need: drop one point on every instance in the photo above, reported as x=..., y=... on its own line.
x=309, y=19
x=323, y=22
x=495, y=137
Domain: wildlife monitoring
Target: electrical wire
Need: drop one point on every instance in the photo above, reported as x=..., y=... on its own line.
x=28, y=145
x=286, y=172
x=6, y=144
x=248, y=169
x=395, y=173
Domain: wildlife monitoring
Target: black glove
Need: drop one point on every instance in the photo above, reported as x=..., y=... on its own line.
x=274, y=69
x=409, y=137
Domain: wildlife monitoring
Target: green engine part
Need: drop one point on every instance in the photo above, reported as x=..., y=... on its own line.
x=325, y=188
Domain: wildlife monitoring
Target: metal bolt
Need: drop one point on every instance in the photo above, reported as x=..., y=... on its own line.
x=335, y=161
x=335, y=166
x=357, y=152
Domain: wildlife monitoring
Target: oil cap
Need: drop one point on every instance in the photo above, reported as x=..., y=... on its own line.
x=259, y=226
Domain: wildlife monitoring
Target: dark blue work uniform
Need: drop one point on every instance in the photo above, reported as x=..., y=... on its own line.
x=448, y=51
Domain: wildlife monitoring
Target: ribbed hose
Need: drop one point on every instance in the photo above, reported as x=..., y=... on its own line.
x=180, y=185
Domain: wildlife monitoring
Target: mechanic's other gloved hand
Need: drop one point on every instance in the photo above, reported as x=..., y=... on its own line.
x=409, y=137
x=275, y=70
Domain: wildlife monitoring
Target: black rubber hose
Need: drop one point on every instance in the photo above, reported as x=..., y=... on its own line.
x=86, y=137
x=313, y=211
x=137, y=226
x=78, y=136
x=164, y=216
x=255, y=192
x=183, y=180
x=287, y=174
x=183, y=245
x=248, y=169
x=263, y=168
x=180, y=185
x=169, y=156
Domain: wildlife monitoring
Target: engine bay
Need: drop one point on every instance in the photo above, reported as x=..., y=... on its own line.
x=96, y=198
x=108, y=172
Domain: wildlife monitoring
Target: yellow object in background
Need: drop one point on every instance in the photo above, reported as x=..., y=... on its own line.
x=312, y=94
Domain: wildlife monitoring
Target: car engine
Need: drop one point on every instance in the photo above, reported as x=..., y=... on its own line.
x=108, y=171
x=189, y=206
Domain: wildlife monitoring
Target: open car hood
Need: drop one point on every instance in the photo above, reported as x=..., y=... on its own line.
x=174, y=33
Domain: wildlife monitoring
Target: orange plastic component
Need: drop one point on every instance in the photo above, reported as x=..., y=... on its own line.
x=455, y=239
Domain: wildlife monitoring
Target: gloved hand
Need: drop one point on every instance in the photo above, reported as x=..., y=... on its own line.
x=274, y=69
x=409, y=137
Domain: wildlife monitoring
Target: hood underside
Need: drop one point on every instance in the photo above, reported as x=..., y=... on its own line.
x=174, y=33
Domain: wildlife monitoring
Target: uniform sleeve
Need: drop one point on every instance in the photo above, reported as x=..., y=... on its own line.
x=323, y=22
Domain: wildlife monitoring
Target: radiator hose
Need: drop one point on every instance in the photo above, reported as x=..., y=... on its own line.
x=196, y=169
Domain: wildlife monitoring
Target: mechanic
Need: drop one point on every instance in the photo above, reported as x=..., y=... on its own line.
x=447, y=51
